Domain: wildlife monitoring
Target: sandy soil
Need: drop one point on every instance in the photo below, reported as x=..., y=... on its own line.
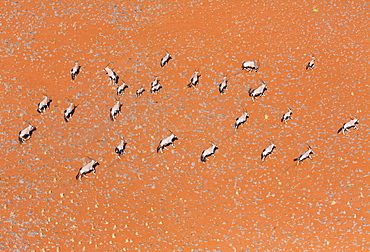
x=171, y=201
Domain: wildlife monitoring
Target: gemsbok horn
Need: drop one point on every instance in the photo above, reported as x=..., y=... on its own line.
x=208, y=152
x=26, y=133
x=166, y=142
x=348, y=125
x=305, y=155
x=89, y=167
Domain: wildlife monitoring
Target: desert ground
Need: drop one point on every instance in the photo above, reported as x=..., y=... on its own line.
x=171, y=201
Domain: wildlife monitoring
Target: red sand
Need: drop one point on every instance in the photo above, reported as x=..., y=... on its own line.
x=171, y=201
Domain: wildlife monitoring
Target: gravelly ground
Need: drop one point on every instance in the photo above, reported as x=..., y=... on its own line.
x=171, y=201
